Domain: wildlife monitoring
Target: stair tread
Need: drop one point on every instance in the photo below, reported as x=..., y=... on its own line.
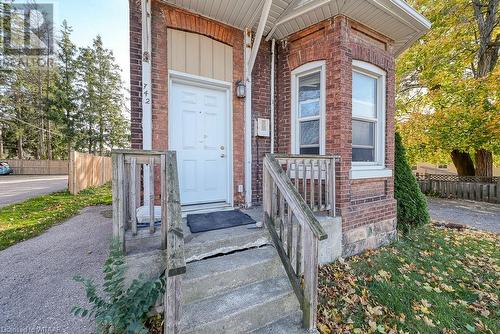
x=225, y=305
x=203, y=245
x=208, y=267
x=291, y=324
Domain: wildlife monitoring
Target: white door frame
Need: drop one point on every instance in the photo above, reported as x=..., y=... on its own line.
x=203, y=82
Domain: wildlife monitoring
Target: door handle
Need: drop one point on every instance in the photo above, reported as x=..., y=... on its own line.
x=222, y=155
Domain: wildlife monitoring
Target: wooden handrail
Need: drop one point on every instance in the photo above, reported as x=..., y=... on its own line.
x=285, y=185
x=296, y=233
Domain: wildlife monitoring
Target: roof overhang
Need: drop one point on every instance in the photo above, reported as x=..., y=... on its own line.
x=392, y=18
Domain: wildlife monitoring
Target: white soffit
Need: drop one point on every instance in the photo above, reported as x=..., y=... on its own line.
x=392, y=18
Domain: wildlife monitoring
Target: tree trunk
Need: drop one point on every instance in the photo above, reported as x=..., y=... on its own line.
x=486, y=16
x=49, y=142
x=20, y=147
x=463, y=163
x=484, y=163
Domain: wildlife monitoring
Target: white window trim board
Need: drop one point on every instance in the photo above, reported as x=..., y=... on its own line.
x=360, y=170
x=294, y=131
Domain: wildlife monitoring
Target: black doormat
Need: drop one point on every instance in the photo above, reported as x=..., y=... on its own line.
x=202, y=222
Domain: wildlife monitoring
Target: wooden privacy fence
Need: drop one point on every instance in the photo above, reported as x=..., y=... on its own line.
x=484, y=189
x=38, y=167
x=87, y=170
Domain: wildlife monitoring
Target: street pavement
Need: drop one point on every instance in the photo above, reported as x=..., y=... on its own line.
x=17, y=188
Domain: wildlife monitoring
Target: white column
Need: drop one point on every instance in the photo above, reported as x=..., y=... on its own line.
x=147, y=98
x=247, y=44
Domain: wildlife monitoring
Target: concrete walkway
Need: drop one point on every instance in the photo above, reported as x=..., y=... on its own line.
x=37, y=291
x=481, y=215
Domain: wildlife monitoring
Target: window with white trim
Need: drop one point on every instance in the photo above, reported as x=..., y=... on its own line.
x=308, y=109
x=368, y=117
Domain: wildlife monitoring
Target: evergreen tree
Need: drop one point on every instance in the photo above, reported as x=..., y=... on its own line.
x=64, y=102
x=411, y=203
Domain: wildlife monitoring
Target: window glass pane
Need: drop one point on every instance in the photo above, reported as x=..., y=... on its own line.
x=364, y=90
x=309, y=150
x=363, y=133
x=309, y=133
x=309, y=87
x=309, y=108
x=363, y=154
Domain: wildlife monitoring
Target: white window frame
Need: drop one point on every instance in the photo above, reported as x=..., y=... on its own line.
x=306, y=69
x=376, y=168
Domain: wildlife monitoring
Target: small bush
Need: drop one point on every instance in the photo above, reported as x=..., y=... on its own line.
x=412, y=204
x=121, y=310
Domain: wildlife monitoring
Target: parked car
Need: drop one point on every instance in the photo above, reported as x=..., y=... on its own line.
x=5, y=169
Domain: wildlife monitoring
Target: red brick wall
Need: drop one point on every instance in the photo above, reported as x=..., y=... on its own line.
x=261, y=108
x=163, y=17
x=338, y=41
x=135, y=73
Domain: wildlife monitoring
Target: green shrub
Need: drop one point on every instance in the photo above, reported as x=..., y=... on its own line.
x=412, y=204
x=121, y=310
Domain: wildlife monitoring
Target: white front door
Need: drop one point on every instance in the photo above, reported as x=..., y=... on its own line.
x=199, y=124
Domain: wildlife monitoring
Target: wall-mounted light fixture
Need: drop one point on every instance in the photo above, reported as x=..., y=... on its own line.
x=240, y=89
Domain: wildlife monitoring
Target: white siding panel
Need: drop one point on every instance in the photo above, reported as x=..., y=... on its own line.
x=219, y=62
x=193, y=53
x=228, y=58
x=206, y=54
x=199, y=55
x=178, y=50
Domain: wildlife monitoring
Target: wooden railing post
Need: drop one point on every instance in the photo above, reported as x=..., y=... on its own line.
x=132, y=195
x=118, y=199
x=173, y=305
x=310, y=302
x=173, y=242
x=151, y=194
x=331, y=180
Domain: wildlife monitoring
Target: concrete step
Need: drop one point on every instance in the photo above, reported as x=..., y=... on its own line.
x=206, y=244
x=291, y=324
x=209, y=277
x=241, y=310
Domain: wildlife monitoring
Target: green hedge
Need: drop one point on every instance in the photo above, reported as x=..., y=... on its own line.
x=412, y=204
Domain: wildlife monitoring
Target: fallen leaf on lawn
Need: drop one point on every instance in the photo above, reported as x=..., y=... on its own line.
x=428, y=321
x=324, y=329
x=373, y=325
x=382, y=275
x=377, y=310
x=447, y=288
x=485, y=313
x=425, y=303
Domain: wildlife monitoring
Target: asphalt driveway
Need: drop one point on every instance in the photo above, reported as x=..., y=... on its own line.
x=37, y=291
x=17, y=188
x=481, y=215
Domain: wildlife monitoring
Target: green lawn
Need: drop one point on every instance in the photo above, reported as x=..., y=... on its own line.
x=27, y=219
x=432, y=281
